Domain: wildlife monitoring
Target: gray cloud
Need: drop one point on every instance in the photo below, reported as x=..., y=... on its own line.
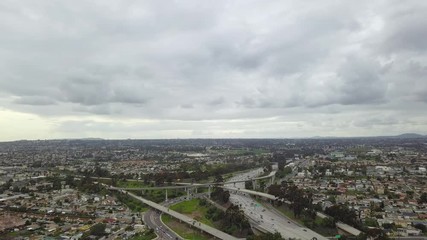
x=404, y=28
x=41, y=101
x=371, y=122
x=216, y=61
x=361, y=82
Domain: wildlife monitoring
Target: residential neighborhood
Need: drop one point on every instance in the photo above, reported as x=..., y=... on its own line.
x=59, y=189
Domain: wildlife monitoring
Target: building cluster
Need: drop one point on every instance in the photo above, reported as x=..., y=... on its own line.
x=382, y=179
x=383, y=186
x=65, y=214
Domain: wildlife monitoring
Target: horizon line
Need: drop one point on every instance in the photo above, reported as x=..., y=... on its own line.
x=220, y=138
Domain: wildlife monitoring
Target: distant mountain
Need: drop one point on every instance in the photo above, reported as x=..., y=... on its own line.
x=404, y=135
x=411, y=135
x=325, y=137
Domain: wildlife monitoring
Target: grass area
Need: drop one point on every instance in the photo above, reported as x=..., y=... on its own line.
x=325, y=231
x=186, y=207
x=183, y=229
x=241, y=151
x=147, y=235
x=193, y=209
x=203, y=211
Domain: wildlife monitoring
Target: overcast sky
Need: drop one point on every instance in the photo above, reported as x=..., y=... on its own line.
x=212, y=69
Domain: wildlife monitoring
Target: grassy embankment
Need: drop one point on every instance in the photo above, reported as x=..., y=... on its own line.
x=147, y=235
x=183, y=229
x=192, y=209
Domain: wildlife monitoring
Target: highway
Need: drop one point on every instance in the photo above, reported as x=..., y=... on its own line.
x=14, y=197
x=208, y=229
x=267, y=219
x=181, y=185
x=152, y=219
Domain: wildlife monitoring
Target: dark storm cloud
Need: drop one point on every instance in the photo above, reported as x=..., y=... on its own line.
x=215, y=61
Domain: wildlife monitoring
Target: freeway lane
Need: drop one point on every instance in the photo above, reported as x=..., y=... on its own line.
x=269, y=220
x=152, y=219
x=212, y=231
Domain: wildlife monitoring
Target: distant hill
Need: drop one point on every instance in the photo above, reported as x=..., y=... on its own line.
x=411, y=135
x=404, y=135
x=326, y=137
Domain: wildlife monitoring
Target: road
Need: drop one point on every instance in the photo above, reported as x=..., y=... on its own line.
x=208, y=229
x=14, y=197
x=267, y=219
x=152, y=219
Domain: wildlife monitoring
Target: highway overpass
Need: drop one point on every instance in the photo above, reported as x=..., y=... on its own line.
x=193, y=223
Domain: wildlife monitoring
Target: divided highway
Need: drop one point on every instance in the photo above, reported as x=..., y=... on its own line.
x=208, y=229
x=265, y=219
x=152, y=219
x=271, y=221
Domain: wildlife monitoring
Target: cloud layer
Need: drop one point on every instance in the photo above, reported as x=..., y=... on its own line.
x=166, y=69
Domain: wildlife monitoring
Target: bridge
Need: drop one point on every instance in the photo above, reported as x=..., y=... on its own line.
x=271, y=175
x=345, y=227
x=193, y=223
x=196, y=185
x=189, y=186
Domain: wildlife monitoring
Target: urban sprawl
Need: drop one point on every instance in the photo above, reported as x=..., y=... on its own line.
x=320, y=188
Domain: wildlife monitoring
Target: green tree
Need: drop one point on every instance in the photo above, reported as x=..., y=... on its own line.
x=328, y=222
x=57, y=219
x=376, y=233
x=268, y=236
x=421, y=227
x=69, y=180
x=423, y=198
x=344, y=214
x=371, y=222
x=98, y=229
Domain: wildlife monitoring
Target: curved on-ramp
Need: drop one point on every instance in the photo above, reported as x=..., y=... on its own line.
x=208, y=229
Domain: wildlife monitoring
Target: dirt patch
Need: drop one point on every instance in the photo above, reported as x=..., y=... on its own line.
x=10, y=221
